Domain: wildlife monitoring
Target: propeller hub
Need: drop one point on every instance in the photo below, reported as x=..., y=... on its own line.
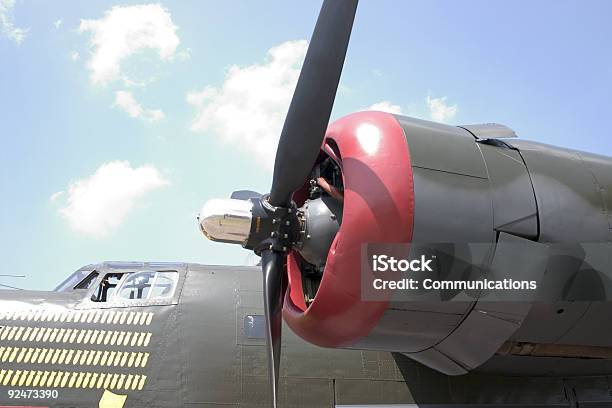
x=255, y=223
x=226, y=220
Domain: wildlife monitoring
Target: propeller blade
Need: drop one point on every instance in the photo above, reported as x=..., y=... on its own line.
x=245, y=194
x=272, y=264
x=313, y=99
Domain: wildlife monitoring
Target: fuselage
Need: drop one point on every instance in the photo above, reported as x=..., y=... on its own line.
x=203, y=346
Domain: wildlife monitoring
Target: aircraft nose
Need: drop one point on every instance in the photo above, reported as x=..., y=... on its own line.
x=226, y=220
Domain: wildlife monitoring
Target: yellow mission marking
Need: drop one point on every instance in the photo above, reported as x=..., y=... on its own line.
x=80, y=316
x=72, y=379
x=110, y=400
x=100, y=358
x=75, y=336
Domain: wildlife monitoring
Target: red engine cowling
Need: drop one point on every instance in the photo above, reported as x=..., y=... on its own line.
x=371, y=149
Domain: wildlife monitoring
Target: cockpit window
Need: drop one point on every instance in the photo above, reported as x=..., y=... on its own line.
x=148, y=285
x=137, y=286
x=88, y=281
x=107, y=287
x=73, y=280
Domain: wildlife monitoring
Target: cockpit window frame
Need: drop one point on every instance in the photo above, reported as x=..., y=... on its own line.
x=67, y=286
x=118, y=302
x=92, y=277
x=157, y=274
x=97, y=287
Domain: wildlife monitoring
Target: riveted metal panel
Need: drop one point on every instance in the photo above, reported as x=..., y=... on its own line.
x=441, y=147
x=430, y=388
x=439, y=361
x=208, y=328
x=450, y=207
x=363, y=392
x=570, y=203
x=514, y=205
x=491, y=322
x=409, y=330
x=559, y=318
x=601, y=167
x=593, y=329
x=546, y=366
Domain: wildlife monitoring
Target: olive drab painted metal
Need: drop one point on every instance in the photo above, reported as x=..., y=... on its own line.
x=192, y=350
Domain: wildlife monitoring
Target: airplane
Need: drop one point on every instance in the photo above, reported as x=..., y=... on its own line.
x=476, y=198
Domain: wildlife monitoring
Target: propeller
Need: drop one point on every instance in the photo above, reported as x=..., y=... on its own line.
x=272, y=265
x=313, y=99
x=299, y=145
x=269, y=224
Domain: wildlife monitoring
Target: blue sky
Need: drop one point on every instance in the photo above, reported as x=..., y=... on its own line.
x=130, y=114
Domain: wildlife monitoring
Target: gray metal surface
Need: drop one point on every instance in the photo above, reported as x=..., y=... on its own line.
x=492, y=321
x=323, y=218
x=441, y=147
x=484, y=131
x=310, y=376
x=410, y=327
x=571, y=188
x=445, y=204
x=555, y=201
x=601, y=167
x=452, y=204
x=514, y=206
x=430, y=389
x=451, y=187
x=438, y=361
x=201, y=356
x=571, y=204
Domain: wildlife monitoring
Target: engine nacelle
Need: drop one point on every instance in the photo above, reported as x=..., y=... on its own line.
x=408, y=180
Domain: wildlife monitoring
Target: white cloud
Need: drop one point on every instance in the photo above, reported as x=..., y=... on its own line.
x=7, y=27
x=58, y=23
x=248, y=109
x=75, y=55
x=55, y=196
x=125, y=100
x=386, y=106
x=97, y=205
x=439, y=110
x=124, y=31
